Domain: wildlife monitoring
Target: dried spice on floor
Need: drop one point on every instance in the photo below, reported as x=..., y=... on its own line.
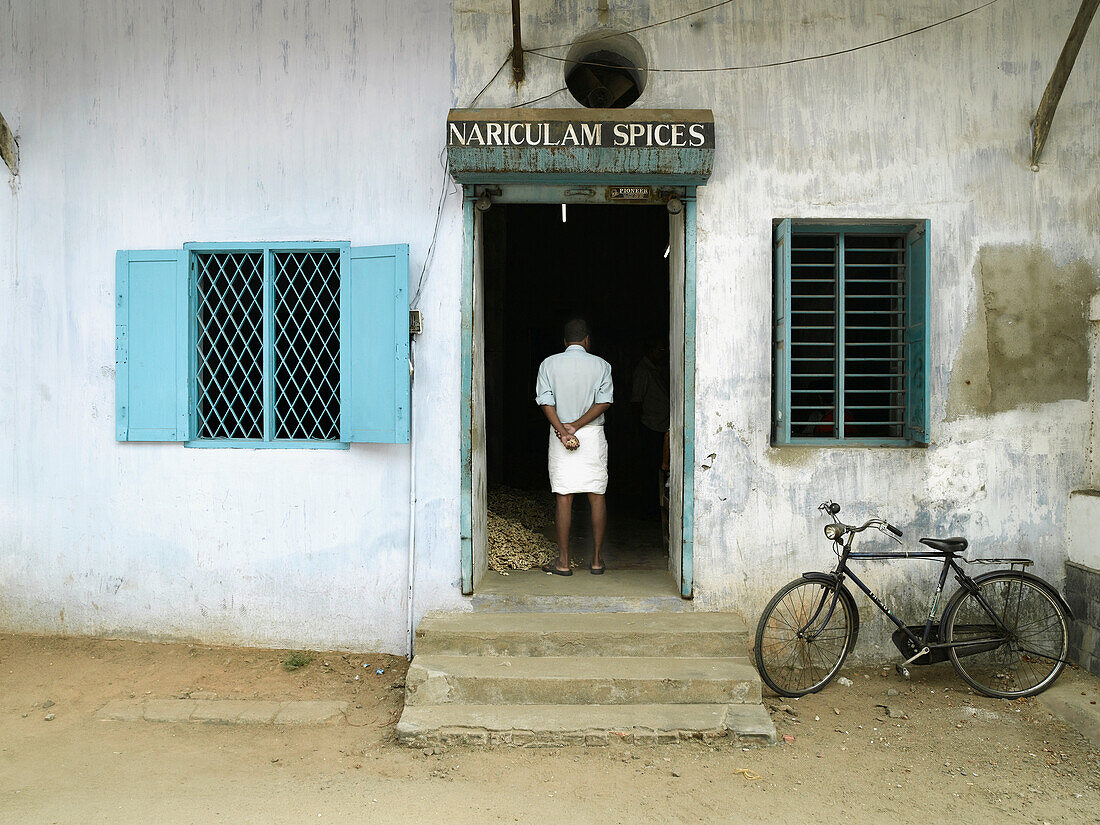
x=517, y=519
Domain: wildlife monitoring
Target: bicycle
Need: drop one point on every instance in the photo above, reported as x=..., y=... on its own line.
x=1006, y=632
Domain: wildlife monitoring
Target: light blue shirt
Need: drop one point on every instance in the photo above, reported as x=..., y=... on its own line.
x=572, y=381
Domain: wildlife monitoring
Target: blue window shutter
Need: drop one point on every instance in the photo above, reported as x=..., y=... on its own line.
x=374, y=344
x=918, y=399
x=152, y=326
x=781, y=352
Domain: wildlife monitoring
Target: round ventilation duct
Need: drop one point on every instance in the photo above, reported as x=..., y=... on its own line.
x=606, y=70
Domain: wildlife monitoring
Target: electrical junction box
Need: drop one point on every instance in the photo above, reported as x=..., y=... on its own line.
x=416, y=322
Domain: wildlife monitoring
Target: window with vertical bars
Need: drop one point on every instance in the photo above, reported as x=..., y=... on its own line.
x=849, y=340
x=267, y=345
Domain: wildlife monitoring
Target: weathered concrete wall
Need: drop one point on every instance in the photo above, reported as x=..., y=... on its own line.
x=1092, y=467
x=1027, y=342
x=150, y=124
x=1083, y=527
x=1083, y=596
x=145, y=125
x=934, y=126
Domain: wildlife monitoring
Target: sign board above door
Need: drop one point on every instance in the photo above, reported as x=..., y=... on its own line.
x=672, y=146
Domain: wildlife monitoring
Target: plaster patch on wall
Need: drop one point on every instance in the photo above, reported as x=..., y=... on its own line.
x=1027, y=341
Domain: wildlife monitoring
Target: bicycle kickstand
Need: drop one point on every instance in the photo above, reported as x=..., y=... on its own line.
x=902, y=667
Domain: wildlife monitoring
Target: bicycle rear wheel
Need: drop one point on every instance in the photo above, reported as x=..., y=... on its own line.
x=800, y=643
x=1017, y=650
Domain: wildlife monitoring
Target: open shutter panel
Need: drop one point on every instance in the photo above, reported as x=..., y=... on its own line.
x=151, y=346
x=917, y=361
x=781, y=351
x=374, y=345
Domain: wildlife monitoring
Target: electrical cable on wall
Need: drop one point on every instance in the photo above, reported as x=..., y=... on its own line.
x=643, y=28
x=539, y=99
x=443, y=192
x=775, y=63
x=772, y=64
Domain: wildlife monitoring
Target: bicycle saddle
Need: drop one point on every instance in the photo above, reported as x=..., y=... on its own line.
x=955, y=544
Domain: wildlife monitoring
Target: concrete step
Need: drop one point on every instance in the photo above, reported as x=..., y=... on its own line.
x=579, y=680
x=543, y=603
x=581, y=724
x=583, y=634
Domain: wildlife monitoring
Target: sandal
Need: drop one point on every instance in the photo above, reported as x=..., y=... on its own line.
x=597, y=571
x=549, y=568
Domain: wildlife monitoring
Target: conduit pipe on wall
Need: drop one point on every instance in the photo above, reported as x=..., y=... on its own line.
x=411, y=575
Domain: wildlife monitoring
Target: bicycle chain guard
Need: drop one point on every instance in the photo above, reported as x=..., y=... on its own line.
x=905, y=645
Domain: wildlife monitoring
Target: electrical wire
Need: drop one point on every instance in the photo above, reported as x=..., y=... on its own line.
x=491, y=79
x=537, y=53
x=779, y=62
x=443, y=192
x=539, y=99
x=647, y=26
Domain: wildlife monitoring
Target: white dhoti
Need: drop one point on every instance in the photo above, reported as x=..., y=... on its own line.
x=583, y=470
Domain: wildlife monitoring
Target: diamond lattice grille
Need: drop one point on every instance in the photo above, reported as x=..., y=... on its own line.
x=229, y=293
x=307, y=345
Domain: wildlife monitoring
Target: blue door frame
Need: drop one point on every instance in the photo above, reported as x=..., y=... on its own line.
x=580, y=191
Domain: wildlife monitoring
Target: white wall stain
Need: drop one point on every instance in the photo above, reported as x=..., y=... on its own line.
x=147, y=125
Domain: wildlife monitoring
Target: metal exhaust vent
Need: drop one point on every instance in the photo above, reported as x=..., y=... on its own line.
x=606, y=70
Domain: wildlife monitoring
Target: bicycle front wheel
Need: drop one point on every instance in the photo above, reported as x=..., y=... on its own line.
x=802, y=638
x=1015, y=636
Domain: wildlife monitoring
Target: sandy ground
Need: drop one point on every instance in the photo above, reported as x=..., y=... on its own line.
x=935, y=753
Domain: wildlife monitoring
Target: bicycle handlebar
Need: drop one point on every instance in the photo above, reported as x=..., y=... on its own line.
x=833, y=508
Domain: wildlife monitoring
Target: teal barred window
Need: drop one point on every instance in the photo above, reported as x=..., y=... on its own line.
x=268, y=345
x=288, y=344
x=851, y=341
x=307, y=345
x=230, y=348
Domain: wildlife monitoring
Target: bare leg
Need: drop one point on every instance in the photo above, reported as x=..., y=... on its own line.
x=563, y=520
x=597, y=503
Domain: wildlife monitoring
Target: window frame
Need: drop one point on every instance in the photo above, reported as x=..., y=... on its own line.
x=191, y=249
x=902, y=227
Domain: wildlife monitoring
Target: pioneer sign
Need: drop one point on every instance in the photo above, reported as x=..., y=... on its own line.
x=615, y=145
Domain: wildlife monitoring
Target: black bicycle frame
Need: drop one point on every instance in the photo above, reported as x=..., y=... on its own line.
x=922, y=642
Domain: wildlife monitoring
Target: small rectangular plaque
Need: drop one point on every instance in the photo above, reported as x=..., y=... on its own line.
x=630, y=193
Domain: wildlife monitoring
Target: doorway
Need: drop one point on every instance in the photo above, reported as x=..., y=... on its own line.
x=608, y=265
x=531, y=264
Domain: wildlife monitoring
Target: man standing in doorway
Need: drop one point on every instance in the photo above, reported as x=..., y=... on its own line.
x=574, y=390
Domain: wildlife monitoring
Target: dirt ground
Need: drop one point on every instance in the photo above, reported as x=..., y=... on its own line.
x=934, y=753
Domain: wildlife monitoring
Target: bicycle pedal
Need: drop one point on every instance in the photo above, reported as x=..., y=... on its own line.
x=903, y=671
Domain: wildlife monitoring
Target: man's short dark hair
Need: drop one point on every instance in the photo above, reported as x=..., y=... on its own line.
x=576, y=330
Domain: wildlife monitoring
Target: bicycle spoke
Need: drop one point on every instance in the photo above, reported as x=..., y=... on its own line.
x=1033, y=649
x=802, y=638
x=1053, y=656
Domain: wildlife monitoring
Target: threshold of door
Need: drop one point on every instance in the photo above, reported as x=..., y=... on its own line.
x=616, y=591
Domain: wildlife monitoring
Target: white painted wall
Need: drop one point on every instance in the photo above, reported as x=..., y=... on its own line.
x=145, y=125
x=1083, y=512
x=149, y=124
x=1092, y=467
x=931, y=126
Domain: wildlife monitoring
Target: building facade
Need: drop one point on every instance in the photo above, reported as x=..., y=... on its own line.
x=309, y=129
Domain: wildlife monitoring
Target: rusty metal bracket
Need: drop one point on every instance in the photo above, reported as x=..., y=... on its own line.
x=9, y=147
x=1044, y=115
x=519, y=73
